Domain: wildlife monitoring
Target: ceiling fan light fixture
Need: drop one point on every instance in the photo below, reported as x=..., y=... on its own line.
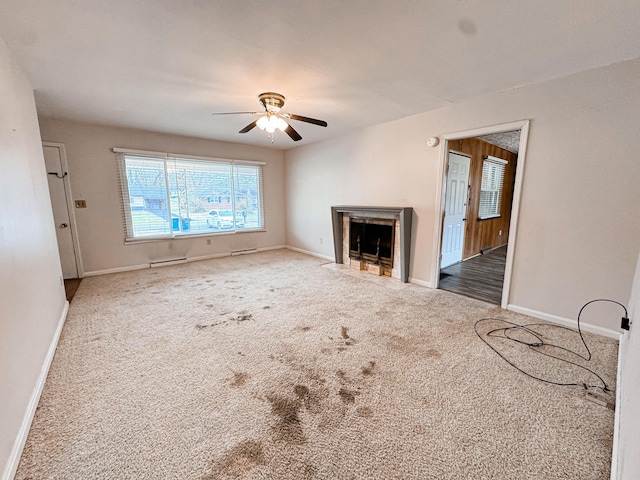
x=274, y=119
x=262, y=122
x=271, y=101
x=281, y=124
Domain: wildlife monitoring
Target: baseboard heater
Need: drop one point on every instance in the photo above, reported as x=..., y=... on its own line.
x=244, y=252
x=164, y=263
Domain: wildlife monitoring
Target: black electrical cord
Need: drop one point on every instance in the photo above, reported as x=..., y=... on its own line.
x=540, y=343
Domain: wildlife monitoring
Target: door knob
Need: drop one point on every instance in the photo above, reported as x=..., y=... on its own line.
x=64, y=225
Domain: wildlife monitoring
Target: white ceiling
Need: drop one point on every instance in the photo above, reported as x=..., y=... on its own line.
x=166, y=65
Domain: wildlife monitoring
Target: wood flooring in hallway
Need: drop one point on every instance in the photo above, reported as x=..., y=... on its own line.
x=480, y=277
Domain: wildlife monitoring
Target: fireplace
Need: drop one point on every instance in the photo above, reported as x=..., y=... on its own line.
x=384, y=235
x=372, y=240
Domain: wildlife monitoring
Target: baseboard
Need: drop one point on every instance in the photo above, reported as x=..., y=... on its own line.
x=208, y=257
x=313, y=254
x=275, y=247
x=21, y=439
x=188, y=260
x=116, y=270
x=605, y=332
x=617, y=450
x=422, y=283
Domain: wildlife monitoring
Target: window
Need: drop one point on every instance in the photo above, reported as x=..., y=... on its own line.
x=167, y=196
x=491, y=187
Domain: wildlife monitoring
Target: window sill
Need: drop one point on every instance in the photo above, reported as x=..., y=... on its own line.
x=130, y=240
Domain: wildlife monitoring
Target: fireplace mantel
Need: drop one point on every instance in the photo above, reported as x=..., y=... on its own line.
x=404, y=214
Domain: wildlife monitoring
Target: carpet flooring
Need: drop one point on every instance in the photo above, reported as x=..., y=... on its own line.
x=272, y=366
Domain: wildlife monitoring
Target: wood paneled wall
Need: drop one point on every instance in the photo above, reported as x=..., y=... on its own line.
x=481, y=234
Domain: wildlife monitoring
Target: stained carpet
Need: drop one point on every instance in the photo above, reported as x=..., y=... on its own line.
x=269, y=366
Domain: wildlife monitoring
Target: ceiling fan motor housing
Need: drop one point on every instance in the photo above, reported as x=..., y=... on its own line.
x=272, y=102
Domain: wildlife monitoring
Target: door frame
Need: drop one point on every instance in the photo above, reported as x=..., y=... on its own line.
x=523, y=126
x=70, y=205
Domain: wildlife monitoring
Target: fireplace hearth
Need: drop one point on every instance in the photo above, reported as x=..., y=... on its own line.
x=375, y=236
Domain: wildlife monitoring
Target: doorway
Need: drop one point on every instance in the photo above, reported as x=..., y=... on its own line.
x=491, y=208
x=62, y=206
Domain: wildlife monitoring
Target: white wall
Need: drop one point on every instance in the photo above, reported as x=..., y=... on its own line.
x=93, y=171
x=629, y=452
x=32, y=300
x=578, y=217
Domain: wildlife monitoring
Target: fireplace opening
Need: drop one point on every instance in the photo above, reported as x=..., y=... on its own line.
x=371, y=240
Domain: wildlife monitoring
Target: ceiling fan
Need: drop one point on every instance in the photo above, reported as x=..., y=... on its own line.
x=273, y=118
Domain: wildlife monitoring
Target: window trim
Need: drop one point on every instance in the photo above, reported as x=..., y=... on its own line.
x=499, y=162
x=149, y=153
x=166, y=158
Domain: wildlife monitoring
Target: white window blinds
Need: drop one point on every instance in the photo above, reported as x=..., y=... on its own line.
x=491, y=188
x=166, y=196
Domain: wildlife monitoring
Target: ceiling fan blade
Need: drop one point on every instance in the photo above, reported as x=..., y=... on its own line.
x=295, y=136
x=236, y=113
x=300, y=118
x=249, y=127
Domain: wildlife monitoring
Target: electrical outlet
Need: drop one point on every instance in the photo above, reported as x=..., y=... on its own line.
x=208, y=241
x=81, y=204
x=626, y=323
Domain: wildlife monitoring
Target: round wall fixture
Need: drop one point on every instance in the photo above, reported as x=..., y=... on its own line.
x=433, y=141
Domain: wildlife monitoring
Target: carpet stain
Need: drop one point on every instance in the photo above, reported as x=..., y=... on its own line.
x=202, y=325
x=345, y=333
x=312, y=399
x=238, y=461
x=364, y=412
x=309, y=472
x=301, y=391
x=433, y=353
x=368, y=370
x=239, y=379
x=401, y=344
x=289, y=427
x=348, y=396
